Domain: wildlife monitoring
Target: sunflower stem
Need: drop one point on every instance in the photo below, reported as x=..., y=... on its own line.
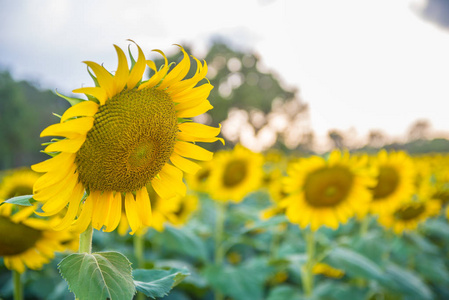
x=86, y=240
x=307, y=269
x=364, y=225
x=219, y=228
x=139, y=247
x=18, y=288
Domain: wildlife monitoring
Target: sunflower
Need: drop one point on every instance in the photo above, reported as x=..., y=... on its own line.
x=273, y=183
x=17, y=183
x=395, y=181
x=130, y=133
x=236, y=173
x=409, y=214
x=27, y=241
x=198, y=182
x=327, y=192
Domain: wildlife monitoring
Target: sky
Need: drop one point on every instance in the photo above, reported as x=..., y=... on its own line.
x=359, y=64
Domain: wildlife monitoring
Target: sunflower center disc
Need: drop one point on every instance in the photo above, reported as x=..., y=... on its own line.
x=409, y=212
x=132, y=138
x=388, y=181
x=327, y=186
x=16, y=237
x=234, y=173
x=20, y=190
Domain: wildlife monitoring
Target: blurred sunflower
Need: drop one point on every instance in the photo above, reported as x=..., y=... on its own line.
x=395, y=181
x=123, y=138
x=27, y=241
x=236, y=173
x=198, y=182
x=17, y=183
x=408, y=214
x=276, y=192
x=327, y=192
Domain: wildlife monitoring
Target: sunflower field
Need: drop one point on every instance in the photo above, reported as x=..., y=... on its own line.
x=131, y=203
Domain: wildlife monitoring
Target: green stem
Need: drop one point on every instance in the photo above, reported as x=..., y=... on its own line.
x=219, y=228
x=275, y=241
x=18, y=288
x=139, y=247
x=307, y=269
x=86, y=240
x=364, y=225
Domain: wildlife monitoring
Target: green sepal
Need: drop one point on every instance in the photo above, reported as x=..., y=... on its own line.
x=25, y=200
x=158, y=283
x=71, y=100
x=97, y=276
x=56, y=115
x=133, y=61
x=93, y=77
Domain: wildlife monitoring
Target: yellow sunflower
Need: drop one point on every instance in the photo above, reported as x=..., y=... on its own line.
x=17, y=183
x=327, y=192
x=198, y=182
x=276, y=192
x=130, y=133
x=408, y=214
x=26, y=241
x=235, y=174
x=395, y=181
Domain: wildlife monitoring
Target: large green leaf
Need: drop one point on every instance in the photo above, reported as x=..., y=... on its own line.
x=98, y=276
x=241, y=282
x=184, y=241
x=354, y=264
x=283, y=292
x=404, y=281
x=24, y=200
x=158, y=283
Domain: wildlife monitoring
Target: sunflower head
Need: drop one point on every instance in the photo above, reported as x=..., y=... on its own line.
x=27, y=241
x=17, y=182
x=236, y=173
x=131, y=132
x=409, y=214
x=327, y=192
x=395, y=180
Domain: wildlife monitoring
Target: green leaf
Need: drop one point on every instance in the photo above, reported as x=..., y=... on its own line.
x=241, y=282
x=158, y=283
x=285, y=292
x=71, y=100
x=184, y=241
x=404, y=281
x=98, y=276
x=20, y=200
x=354, y=264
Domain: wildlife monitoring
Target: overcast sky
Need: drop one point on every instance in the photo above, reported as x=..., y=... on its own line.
x=363, y=64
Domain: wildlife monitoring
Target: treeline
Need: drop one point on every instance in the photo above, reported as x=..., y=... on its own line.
x=24, y=112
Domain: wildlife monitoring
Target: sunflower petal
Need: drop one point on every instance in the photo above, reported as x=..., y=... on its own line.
x=137, y=71
x=114, y=213
x=67, y=145
x=185, y=165
x=104, y=78
x=144, y=206
x=131, y=213
x=121, y=75
x=84, y=219
x=54, y=162
x=80, y=126
x=192, y=151
x=82, y=109
x=98, y=92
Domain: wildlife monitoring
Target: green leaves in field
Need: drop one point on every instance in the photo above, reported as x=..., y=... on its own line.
x=240, y=282
x=158, y=283
x=98, y=276
x=354, y=264
x=20, y=200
